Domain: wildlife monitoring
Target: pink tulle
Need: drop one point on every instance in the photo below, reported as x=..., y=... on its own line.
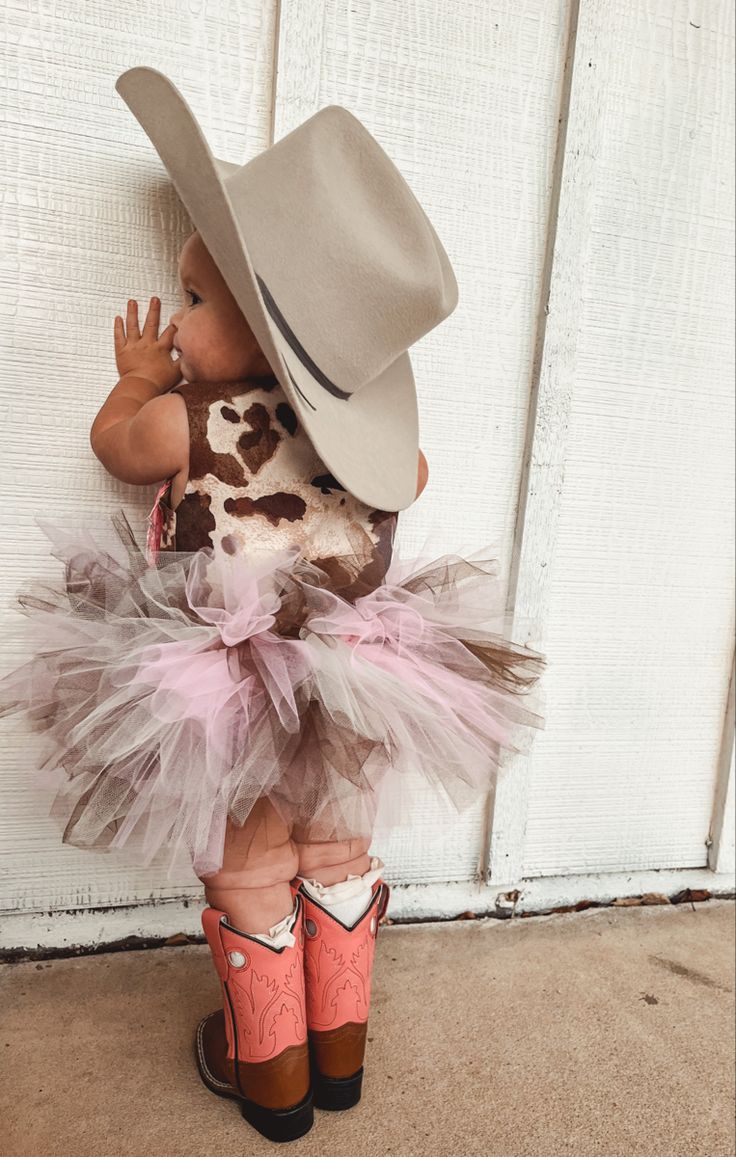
x=155, y=525
x=179, y=690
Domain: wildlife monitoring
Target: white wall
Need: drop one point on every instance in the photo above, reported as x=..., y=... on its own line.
x=576, y=409
x=639, y=375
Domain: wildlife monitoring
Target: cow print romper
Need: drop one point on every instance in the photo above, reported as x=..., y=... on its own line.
x=256, y=481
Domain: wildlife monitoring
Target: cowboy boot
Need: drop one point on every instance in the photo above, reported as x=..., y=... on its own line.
x=254, y=1049
x=338, y=964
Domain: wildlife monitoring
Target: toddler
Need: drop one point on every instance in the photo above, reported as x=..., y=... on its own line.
x=256, y=689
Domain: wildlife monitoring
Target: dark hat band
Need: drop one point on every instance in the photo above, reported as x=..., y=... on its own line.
x=284, y=328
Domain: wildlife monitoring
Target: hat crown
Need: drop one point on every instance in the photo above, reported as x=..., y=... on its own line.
x=347, y=255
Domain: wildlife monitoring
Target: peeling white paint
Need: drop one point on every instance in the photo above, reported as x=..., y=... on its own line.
x=67, y=930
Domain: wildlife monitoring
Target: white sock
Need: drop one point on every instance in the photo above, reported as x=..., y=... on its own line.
x=349, y=899
x=279, y=935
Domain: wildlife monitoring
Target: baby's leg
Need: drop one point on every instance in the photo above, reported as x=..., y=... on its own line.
x=259, y=860
x=330, y=863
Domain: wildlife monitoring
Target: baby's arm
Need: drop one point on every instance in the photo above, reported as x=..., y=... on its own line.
x=141, y=433
x=423, y=474
x=150, y=445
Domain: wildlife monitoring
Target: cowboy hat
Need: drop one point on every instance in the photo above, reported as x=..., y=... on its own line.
x=335, y=266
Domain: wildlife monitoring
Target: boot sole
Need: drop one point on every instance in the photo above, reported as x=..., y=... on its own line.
x=274, y=1124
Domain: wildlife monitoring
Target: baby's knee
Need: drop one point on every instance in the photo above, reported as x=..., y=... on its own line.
x=279, y=864
x=259, y=868
x=313, y=856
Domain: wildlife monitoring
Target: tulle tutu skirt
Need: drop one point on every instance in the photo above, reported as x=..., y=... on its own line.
x=175, y=693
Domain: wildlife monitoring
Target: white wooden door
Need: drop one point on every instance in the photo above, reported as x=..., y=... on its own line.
x=576, y=409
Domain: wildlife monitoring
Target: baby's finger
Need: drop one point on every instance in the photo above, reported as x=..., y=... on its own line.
x=150, y=329
x=119, y=332
x=132, y=325
x=167, y=337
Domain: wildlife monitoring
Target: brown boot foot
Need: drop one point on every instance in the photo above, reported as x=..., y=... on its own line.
x=217, y=1073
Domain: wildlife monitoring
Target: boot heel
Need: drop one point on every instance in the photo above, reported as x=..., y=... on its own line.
x=337, y=1092
x=280, y=1124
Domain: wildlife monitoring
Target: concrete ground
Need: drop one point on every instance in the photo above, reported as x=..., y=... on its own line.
x=609, y=1031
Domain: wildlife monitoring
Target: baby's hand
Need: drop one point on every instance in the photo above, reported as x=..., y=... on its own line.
x=146, y=353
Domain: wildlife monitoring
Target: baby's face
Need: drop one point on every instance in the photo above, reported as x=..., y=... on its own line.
x=216, y=343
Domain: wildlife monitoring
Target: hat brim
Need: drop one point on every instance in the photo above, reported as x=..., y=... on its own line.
x=369, y=442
